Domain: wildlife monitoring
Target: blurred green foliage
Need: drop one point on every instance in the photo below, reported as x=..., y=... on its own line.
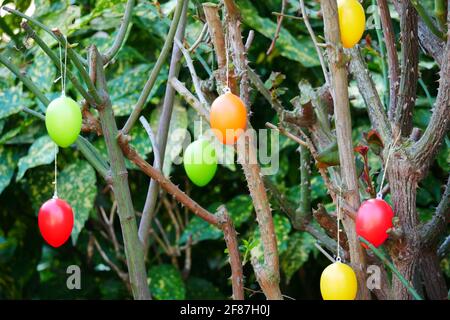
x=31, y=269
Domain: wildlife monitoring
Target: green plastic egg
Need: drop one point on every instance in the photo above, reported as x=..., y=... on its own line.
x=63, y=121
x=200, y=162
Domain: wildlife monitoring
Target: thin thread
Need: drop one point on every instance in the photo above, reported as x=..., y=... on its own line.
x=55, y=194
x=65, y=66
x=390, y=152
x=227, y=88
x=324, y=252
x=338, y=209
x=61, y=68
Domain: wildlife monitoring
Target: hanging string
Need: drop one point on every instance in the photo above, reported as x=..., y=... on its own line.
x=338, y=210
x=55, y=194
x=227, y=88
x=63, y=69
x=63, y=66
x=390, y=152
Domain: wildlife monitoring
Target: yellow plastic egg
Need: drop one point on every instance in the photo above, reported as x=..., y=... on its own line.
x=352, y=21
x=338, y=282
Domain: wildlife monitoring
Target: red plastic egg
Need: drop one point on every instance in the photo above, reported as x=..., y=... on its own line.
x=373, y=219
x=55, y=221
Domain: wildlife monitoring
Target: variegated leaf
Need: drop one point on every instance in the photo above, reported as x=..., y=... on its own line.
x=77, y=186
x=166, y=283
x=41, y=152
x=176, y=136
x=8, y=163
x=12, y=100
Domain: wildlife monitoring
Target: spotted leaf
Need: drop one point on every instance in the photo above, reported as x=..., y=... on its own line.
x=77, y=186
x=12, y=100
x=298, y=48
x=177, y=134
x=166, y=283
x=8, y=163
x=300, y=245
x=41, y=152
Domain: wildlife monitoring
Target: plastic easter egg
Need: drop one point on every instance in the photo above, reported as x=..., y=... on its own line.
x=352, y=22
x=338, y=282
x=63, y=120
x=228, y=118
x=373, y=219
x=55, y=221
x=200, y=162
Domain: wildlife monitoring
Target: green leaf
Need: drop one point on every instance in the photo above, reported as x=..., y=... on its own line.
x=149, y=19
x=77, y=186
x=38, y=185
x=176, y=136
x=8, y=162
x=41, y=152
x=353, y=91
x=12, y=100
x=42, y=71
x=25, y=132
x=443, y=157
x=299, y=247
x=166, y=283
x=199, y=230
x=282, y=228
x=239, y=208
x=126, y=88
x=298, y=48
x=201, y=289
x=56, y=14
x=140, y=141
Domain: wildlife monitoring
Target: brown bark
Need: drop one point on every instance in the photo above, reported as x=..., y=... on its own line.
x=389, y=38
x=401, y=116
x=405, y=252
x=221, y=220
x=267, y=274
x=339, y=84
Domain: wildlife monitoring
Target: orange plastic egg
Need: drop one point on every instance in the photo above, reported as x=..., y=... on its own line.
x=228, y=118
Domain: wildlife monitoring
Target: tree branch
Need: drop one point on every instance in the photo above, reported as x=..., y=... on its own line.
x=268, y=275
x=435, y=228
x=427, y=19
x=278, y=29
x=156, y=69
x=220, y=220
x=79, y=65
x=314, y=39
x=425, y=149
x=375, y=109
x=237, y=48
x=118, y=41
x=401, y=115
x=218, y=39
x=119, y=178
x=56, y=61
x=389, y=38
x=344, y=136
x=179, y=23
x=189, y=97
x=86, y=148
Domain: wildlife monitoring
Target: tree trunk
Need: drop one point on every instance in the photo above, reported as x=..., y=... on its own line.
x=432, y=276
x=405, y=253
